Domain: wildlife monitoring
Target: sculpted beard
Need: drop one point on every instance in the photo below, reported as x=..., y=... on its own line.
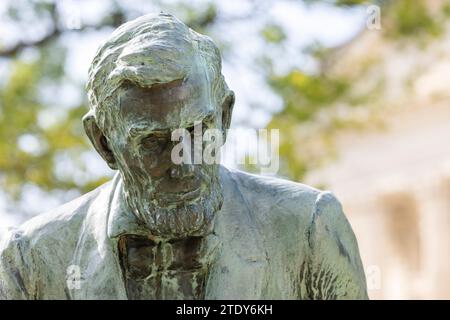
x=188, y=218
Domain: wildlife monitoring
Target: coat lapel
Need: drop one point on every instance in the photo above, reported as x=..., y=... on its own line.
x=96, y=254
x=239, y=271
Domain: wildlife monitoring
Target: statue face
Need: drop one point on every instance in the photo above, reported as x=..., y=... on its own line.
x=155, y=75
x=177, y=198
x=148, y=117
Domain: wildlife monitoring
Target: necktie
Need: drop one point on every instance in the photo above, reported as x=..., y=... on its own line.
x=173, y=269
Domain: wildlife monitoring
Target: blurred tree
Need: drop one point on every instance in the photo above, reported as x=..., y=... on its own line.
x=319, y=105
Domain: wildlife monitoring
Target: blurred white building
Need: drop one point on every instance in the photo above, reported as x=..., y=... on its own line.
x=394, y=182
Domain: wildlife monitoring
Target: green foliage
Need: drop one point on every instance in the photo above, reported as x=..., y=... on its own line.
x=351, y=2
x=20, y=108
x=199, y=20
x=411, y=18
x=273, y=33
x=346, y=3
x=304, y=94
x=310, y=120
x=446, y=9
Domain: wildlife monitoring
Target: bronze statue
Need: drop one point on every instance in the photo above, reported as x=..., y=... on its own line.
x=161, y=230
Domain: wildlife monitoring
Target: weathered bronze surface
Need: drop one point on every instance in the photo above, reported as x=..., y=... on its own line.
x=152, y=268
x=167, y=230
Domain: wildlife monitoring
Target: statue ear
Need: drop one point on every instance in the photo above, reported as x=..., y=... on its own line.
x=227, y=110
x=98, y=140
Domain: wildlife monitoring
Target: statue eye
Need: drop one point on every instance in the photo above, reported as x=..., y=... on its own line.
x=153, y=142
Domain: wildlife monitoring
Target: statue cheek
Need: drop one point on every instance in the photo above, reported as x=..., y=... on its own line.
x=156, y=164
x=149, y=165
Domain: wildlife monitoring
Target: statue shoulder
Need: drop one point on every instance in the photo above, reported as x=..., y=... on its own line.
x=15, y=266
x=334, y=257
x=308, y=224
x=273, y=196
x=58, y=225
x=43, y=240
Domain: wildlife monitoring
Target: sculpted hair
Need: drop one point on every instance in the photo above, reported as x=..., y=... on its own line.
x=152, y=49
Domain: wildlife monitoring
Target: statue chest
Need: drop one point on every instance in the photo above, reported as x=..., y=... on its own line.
x=175, y=269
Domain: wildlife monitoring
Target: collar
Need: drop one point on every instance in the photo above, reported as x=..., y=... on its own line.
x=121, y=220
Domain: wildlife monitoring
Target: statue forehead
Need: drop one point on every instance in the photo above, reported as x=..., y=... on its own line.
x=177, y=103
x=173, y=79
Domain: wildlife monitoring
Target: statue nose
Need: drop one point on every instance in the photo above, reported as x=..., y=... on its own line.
x=181, y=171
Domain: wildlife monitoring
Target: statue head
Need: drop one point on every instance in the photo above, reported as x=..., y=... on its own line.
x=152, y=76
